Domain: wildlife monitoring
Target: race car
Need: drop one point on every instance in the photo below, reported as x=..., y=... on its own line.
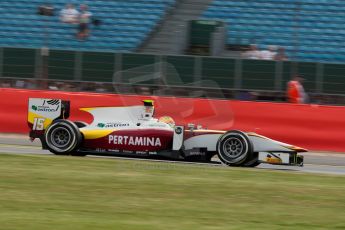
x=134, y=131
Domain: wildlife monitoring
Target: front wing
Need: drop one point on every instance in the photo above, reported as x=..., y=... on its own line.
x=290, y=158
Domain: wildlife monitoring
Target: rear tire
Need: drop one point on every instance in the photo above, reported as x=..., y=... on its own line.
x=234, y=148
x=62, y=137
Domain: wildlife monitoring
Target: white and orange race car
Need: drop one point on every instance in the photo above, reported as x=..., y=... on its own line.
x=134, y=131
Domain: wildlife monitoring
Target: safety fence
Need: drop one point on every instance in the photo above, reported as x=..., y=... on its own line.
x=202, y=71
x=310, y=126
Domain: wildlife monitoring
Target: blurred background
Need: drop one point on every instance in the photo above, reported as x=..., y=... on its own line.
x=236, y=49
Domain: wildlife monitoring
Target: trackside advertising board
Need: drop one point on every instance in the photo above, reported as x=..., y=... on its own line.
x=313, y=127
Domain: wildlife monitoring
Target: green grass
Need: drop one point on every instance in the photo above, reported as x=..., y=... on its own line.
x=51, y=192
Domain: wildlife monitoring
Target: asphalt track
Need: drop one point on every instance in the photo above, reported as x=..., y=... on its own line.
x=314, y=162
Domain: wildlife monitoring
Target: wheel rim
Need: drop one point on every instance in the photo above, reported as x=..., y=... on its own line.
x=60, y=137
x=233, y=147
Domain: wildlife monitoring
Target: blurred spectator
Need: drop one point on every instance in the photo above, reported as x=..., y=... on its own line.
x=144, y=90
x=99, y=87
x=252, y=53
x=53, y=86
x=46, y=10
x=281, y=56
x=69, y=14
x=84, y=22
x=20, y=84
x=246, y=96
x=268, y=54
x=5, y=84
x=30, y=84
x=295, y=91
x=87, y=86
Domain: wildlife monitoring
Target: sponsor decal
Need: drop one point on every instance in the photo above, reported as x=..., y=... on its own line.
x=127, y=151
x=140, y=152
x=195, y=153
x=53, y=102
x=113, y=150
x=47, y=106
x=112, y=125
x=135, y=141
x=130, y=152
x=157, y=125
x=101, y=125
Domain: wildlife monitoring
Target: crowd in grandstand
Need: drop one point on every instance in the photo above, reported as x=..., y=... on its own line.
x=69, y=14
x=83, y=18
x=271, y=53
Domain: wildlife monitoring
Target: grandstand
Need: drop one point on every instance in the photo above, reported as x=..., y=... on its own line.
x=310, y=30
x=149, y=38
x=125, y=24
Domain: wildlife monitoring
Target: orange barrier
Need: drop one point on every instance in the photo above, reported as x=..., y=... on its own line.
x=310, y=126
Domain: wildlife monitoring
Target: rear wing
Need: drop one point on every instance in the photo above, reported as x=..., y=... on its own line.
x=42, y=112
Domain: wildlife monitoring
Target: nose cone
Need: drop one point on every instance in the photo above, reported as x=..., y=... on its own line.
x=297, y=149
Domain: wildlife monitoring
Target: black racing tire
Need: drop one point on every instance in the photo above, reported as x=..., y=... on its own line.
x=62, y=137
x=253, y=161
x=80, y=124
x=234, y=148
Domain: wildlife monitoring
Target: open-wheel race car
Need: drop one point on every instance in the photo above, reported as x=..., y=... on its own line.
x=134, y=131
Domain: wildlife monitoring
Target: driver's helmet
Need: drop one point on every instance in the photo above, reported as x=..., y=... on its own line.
x=167, y=120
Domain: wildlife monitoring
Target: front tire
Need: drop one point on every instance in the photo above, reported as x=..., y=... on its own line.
x=253, y=161
x=234, y=148
x=62, y=137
